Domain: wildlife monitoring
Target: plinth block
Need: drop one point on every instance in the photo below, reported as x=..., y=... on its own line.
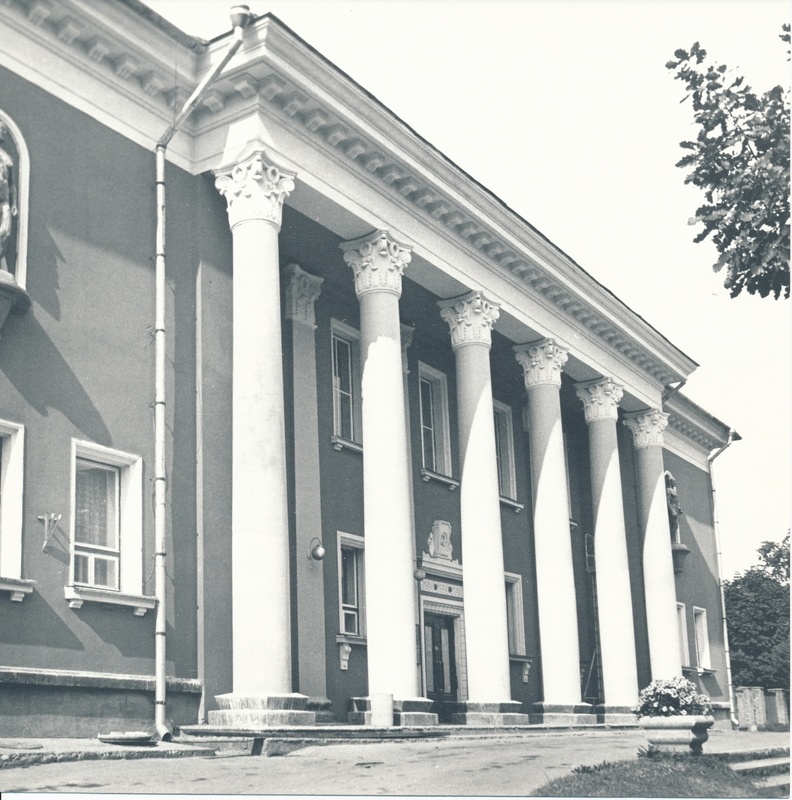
x=572, y=715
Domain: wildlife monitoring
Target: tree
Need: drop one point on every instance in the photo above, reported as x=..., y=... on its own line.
x=757, y=610
x=740, y=159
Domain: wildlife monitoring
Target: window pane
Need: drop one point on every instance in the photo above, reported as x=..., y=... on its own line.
x=428, y=658
x=499, y=452
x=81, y=569
x=343, y=401
x=105, y=572
x=349, y=577
x=351, y=623
x=427, y=425
x=96, y=504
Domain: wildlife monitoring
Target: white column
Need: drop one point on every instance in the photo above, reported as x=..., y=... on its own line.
x=542, y=363
x=378, y=261
x=302, y=290
x=658, y=567
x=470, y=319
x=255, y=193
x=614, y=598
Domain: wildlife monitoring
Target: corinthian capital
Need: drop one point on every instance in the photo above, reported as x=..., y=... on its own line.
x=647, y=427
x=254, y=190
x=470, y=318
x=378, y=261
x=542, y=362
x=600, y=398
x=302, y=289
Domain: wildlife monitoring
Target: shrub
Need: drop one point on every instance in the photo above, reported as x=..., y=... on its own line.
x=671, y=698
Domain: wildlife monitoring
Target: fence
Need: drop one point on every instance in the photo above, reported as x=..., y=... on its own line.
x=761, y=709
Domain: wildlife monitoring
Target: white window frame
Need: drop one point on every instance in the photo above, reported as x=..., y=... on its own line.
x=12, y=476
x=340, y=330
x=130, y=519
x=504, y=442
x=684, y=645
x=351, y=541
x=440, y=419
x=22, y=177
x=701, y=634
x=515, y=613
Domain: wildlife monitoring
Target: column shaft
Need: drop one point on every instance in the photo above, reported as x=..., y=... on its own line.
x=658, y=566
x=260, y=539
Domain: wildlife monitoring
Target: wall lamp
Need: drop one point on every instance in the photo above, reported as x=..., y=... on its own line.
x=316, y=551
x=419, y=573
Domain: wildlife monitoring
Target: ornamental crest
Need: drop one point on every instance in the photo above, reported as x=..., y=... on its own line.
x=439, y=541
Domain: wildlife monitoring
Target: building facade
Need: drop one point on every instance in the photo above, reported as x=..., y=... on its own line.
x=419, y=465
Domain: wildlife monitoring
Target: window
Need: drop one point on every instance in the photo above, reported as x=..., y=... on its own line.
x=347, y=428
x=683, y=637
x=12, y=462
x=96, y=524
x=351, y=571
x=435, y=438
x=702, y=638
x=504, y=449
x=107, y=528
x=514, y=613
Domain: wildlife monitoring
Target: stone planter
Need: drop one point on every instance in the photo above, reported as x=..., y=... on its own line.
x=676, y=734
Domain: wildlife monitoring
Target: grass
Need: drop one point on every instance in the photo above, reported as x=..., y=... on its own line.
x=658, y=776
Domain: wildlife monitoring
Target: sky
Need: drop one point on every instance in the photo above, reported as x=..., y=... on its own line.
x=565, y=110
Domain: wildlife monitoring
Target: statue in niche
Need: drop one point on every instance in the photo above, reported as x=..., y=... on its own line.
x=439, y=541
x=672, y=501
x=8, y=202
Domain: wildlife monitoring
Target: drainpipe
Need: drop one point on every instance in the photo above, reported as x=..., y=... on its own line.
x=733, y=437
x=240, y=17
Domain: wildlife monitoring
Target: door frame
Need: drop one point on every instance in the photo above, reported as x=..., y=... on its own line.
x=455, y=610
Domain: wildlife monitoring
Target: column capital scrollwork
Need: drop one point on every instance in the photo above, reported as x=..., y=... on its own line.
x=378, y=261
x=470, y=318
x=254, y=190
x=647, y=427
x=542, y=362
x=601, y=398
x=302, y=289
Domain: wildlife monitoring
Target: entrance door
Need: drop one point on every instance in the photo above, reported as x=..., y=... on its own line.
x=440, y=664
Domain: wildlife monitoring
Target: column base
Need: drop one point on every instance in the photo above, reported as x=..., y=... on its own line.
x=616, y=716
x=410, y=712
x=572, y=715
x=322, y=707
x=255, y=711
x=490, y=715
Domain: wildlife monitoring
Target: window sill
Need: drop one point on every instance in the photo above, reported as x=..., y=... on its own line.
x=513, y=504
x=428, y=475
x=521, y=658
x=349, y=638
x=19, y=588
x=699, y=670
x=77, y=595
x=340, y=443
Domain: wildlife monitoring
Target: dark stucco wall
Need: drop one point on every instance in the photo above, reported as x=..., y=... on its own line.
x=80, y=364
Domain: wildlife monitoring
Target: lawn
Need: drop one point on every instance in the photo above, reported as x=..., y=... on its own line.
x=664, y=776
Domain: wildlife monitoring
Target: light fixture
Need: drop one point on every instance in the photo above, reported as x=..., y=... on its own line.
x=419, y=573
x=316, y=551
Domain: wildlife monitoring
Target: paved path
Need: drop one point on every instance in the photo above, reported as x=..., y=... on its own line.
x=492, y=765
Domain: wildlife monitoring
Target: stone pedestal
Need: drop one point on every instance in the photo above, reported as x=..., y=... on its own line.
x=412, y=712
x=261, y=711
x=490, y=715
x=562, y=715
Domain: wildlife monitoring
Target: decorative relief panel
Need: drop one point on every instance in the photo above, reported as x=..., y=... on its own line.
x=647, y=427
x=254, y=190
x=440, y=587
x=439, y=541
x=600, y=398
x=542, y=362
x=470, y=318
x=378, y=261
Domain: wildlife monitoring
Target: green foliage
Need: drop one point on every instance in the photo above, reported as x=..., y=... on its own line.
x=757, y=610
x=672, y=697
x=775, y=559
x=740, y=159
x=683, y=776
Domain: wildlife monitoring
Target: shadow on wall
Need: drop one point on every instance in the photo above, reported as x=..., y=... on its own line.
x=50, y=630
x=32, y=363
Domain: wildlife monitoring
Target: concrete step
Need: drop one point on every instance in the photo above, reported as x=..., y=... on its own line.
x=779, y=783
x=762, y=766
x=754, y=754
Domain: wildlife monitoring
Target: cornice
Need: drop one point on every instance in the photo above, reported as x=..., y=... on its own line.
x=119, y=48
x=694, y=425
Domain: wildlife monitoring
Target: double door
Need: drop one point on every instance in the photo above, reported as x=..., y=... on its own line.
x=440, y=664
